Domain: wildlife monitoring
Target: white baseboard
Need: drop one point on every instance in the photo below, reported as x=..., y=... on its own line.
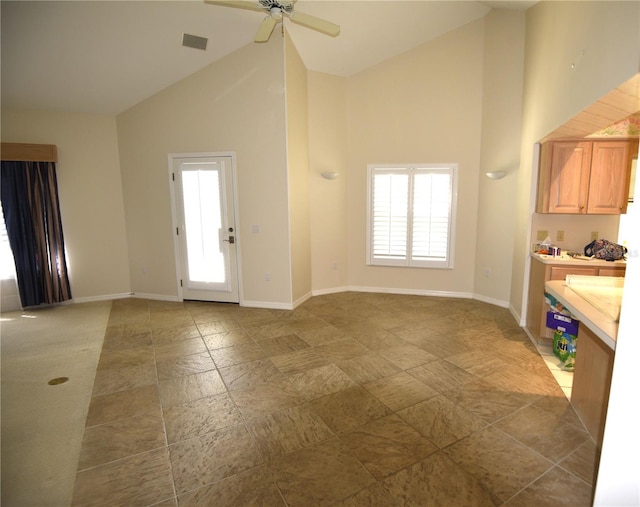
x=412, y=292
x=491, y=301
x=519, y=318
x=269, y=305
x=333, y=290
x=302, y=299
x=155, y=297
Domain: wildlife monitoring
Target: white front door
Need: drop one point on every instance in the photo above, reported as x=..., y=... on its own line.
x=205, y=227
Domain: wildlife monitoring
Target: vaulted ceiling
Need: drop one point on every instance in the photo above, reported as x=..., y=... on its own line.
x=106, y=56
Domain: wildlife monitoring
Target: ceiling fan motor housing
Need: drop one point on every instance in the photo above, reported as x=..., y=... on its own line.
x=283, y=5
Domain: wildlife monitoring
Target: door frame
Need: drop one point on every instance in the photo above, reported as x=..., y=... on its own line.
x=174, y=215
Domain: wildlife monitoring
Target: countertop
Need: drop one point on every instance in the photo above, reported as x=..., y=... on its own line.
x=565, y=260
x=588, y=315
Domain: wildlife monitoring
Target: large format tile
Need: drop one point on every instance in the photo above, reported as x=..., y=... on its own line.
x=319, y=382
x=119, y=439
x=583, y=462
x=255, y=486
x=544, y=432
x=367, y=368
x=503, y=465
x=180, y=366
x=120, y=379
x=178, y=390
x=479, y=361
x=320, y=475
x=202, y=460
x=372, y=496
x=349, y=408
x=387, y=445
x=441, y=420
x=437, y=480
x=123, y=358
x=237, y=354
x=400, y=390
x=556, y=488
x=342, y=349
x=281, y=344
x=254, y=373
x=122, y=404
x=488, y=401
x=441, y=375
x=299, y=361
x=170, y=350
x=179, y=333
x=119, y=482
x=264, y=399
x=200, y=416
x=406, y=356
x=288, y=430
x=322, y=335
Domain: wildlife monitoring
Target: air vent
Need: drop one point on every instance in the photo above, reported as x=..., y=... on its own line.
x=193, y=41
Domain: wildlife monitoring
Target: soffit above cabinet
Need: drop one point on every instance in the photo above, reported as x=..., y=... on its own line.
x=617, y=115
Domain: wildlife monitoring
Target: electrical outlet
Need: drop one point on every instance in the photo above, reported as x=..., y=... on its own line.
x=541, y=234
x=267, y=277
x=595, y=235
x=487, y=272
x=560, y=236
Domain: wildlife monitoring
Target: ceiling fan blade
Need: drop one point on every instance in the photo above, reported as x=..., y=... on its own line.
x=265, y=29
x=314, y=23
x=250, y=5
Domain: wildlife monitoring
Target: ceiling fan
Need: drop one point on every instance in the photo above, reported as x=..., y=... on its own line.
x=276, y=10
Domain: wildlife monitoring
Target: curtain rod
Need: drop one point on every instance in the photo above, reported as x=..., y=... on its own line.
x=25, y=152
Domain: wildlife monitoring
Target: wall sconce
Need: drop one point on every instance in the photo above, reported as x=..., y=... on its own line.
x=328, y=175
x=496, y=175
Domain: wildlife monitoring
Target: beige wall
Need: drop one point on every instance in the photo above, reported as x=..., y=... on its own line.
x=501, y=129
x=601, y=40
x=298, y=170
x=236, y=104
x=90, y=192
x=327, y=105
x=423, y=106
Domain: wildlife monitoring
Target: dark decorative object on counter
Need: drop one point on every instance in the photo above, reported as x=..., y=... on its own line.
x=605, y=250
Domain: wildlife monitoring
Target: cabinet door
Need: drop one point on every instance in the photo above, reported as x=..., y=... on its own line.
x=569, y=177
x=611, y=271
x=609, y=180
x=561, y=272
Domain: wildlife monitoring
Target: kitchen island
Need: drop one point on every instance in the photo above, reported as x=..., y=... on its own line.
x=595, y=350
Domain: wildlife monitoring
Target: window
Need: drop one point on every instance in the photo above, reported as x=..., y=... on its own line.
x=411, y=215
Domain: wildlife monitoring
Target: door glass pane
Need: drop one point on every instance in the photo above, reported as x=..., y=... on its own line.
x=203, y=224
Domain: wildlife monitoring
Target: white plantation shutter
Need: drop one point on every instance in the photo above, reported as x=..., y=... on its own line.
x=411, y=212
x=431, y=212
x=390, y=212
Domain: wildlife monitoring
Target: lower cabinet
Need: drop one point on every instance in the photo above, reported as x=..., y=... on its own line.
x=592, y=382
x=540, y=274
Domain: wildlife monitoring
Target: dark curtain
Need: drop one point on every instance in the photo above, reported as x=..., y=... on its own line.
x=29, y=194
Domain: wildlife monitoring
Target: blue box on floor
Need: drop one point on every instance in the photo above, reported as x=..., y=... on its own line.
x=563, y=323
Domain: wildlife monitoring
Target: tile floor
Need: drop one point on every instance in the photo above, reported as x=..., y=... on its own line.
x=353, y=399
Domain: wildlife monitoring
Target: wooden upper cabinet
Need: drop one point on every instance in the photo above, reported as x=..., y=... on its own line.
x=609, y=180
x=578, y=177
